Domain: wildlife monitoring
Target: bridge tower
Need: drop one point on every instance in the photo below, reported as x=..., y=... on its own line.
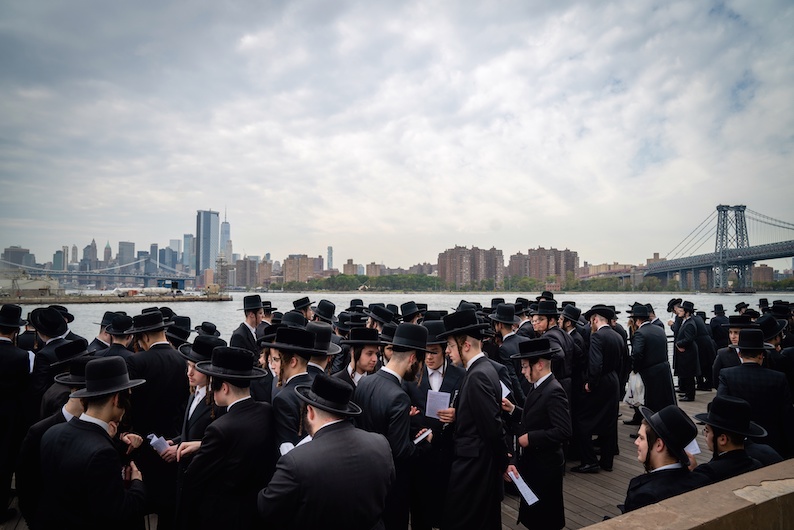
x=731, y=233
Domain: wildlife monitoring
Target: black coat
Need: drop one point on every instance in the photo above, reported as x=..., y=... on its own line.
x=97, y=345
x=287, y=411
x=525, y=329
x=510, y=347
x=718, y=332
x=546, y=420
x=649, y=359
x=338, y=480
x=83, y=487
x=262, y=388
x=43, y=376
x=562, y=364
x=53, y=399
x=16, y=413
x=345, y=376
x=706, y=349
x=651, y=488
x=726, y=358
x=726, y=466
x=597, y=410
x=236, y=460
x=769, y=396
x=476, y=486
x=115, y=350
x=243, y=338
x=687, y=363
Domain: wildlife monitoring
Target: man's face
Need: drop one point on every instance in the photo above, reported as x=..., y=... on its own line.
x=733, y=335
x=195, y=377
x=260, y=314
x=526, y=370
x=368, y=360
x=709, y=434
x=434, y=359
x=642, y=444
x=679, y=311
x=388, y=349
x=453, y=352
x=416, y=365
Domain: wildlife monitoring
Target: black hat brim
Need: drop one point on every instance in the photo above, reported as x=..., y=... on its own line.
x=465, y=330
x=66, y=379
x=84, y=393
x=496, y=318
x=186, y=351
x=541, y=354
x=303, y=352
x=207, y=368
x=155, y=327
x=306, y=395
x=753, y=429
x=357, y=342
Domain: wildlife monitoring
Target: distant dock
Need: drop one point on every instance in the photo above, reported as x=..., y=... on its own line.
x=110, y=299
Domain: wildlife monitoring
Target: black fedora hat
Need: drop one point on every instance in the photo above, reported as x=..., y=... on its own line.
x=48, y=321
x=329, y=394
x=294, y=319
x=763, y=303
x=602, y=310
x=547, y=308
x=732, y=414
x=751, y=339
x=107, y=318
x=343, y=322
x=395, y=311
x=364, y=336
x=69, y=350
x=434, y=329
x=176, y=335
x=268, y=307
x=168, y=314
x=650, y=309
x=409, y=310
x=120, y=325
x=322, y=338
x=494, y=304
x=521, y=305
x=268, y=333
x=106, y=375
x=181, y=322
x=230, y=363
x=301, y=303
x=536, y=349
x=201, y=349
x=674, y=427
x=641, y=311
x=252, y=302
x=410, y=337
x=381, y=314
x=740, y=322
x=463, y=323
x=75, y=377
x=752, y=313
x=10, y=316
x=208, y=328
x=151, y=321
x=770, y=325
x=548, y=295
x=276, y=318
x=719, y=309
x=357, y=320
x=325, y=310
x=434, y=315
x=387, y=333
x=505, y=313
x=688, y=307
x=741, y=305
x=571, y=312
x=781, y=310
x=356, y=305
x=64, y=312
x=297, y=341
x=672, y=303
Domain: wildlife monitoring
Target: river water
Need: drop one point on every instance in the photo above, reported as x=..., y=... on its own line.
x=227, y=315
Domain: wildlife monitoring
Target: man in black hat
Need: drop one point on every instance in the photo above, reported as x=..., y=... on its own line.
x=525, y=328
x=386, y=410
x=476, y=487
x=324, y=483
x=15, y=368
x=50, y=327
x=58, y=393
x=82, y=470
x=504, y=323
x=766, y=391
x=597, y=410
x=120, y=338
x=741, y=307
x=28, y=475
x=411, y=312
x=323, y=333
x=660, y=442
x=364, y=344
x=68, y=318
x=304, y=307
x=707, y=351
x=102, y=340
x=245, y=335
x=544, y=321
x=379, y=316
x=728, y=357
x=687, y=359
x=718, y=331
x=237, y=455
x=542, y=426
x=727, y=425
x=295, y=347
x=159, y=407
x=324, y=312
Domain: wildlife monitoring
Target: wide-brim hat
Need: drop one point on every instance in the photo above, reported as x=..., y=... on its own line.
x=673, y=426
x=719, y=309
x=409, y=309
x=268, y=333
x=395, y=311
x=268, y=307
x=329, y=394
x=388, y=331
x=674, y=302
x=751, y=339
x=294, y=319
x=434, y=329
x=177, y=336
x=322, y=338
x=69, y=350
x=151, y=321
x=75, y=377
x=297, y=341
x=252, y=302
x=571, y=312
x=763, y=302
x=434, y=315
x=356, y=305
x=740, y=306
x=120, y=325
x=363, y=336
x=602, y=310
x=740, y=322
x=208, y=328
x=325, y=310
x=48, y=321
x=230, y=363
x=547, y=308
x=10, y=316
x=107, y=318
x=301, y=303
x=536, y=349
x=381, y=314
x=688, y=306
x=106, y=375
x=201, y=349
x=343, y=322
x=732, y=414
x=463, y=323
x=410, y=337
x=770, y=325
x=781, y=310
x=548, y=295
x=505, y=313
x=64, y=312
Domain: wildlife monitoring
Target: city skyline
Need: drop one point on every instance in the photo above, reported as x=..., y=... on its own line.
x=610, y=128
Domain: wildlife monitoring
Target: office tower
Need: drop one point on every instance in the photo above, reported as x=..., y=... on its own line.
x=126, y=254
x=226, y=238
x=57, y=260
x=65, y=250
x=108, y=256
x=330, y=258
x=74, y=254
x=189, y=251
x=167, y=257
x=176, y=246
x=207, y=239
x=18, y=256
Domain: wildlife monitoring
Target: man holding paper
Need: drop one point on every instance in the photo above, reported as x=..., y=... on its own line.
x=545, y=423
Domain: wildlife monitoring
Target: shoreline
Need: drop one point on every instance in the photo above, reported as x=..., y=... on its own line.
x=110, y=299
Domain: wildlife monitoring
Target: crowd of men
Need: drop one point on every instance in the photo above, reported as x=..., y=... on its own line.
x=375, y=416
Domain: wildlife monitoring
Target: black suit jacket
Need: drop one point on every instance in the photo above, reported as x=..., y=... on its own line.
x=243, y=338
x=726, y=466
x=53, y=399
x=726, y=358
x=597, y=411
x=651, y=488
x=83, y=487
x=345, y=376
x=687, y=363
x=769, y=396
x=262, y=388
x=115, y=350
x=526, y=330
x=510, y=347
x=649, y=359
x=236, y=460
x=340, y=479
x=97, y=345
x=720, y=333
x=287, y=411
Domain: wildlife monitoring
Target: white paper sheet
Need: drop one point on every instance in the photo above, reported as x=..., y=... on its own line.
x=693, y=447
x=436, y=401
x=422, y=437
x=528, y=495
x=505, y=390
x=158, y=443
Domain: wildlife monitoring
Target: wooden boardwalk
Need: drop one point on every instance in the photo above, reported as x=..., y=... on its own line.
x=588, y=498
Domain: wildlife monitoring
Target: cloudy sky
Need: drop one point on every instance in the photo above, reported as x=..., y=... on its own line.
x=393, y=131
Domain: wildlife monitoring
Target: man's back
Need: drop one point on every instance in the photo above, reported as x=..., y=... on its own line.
x=651, y=488
x=385, y=410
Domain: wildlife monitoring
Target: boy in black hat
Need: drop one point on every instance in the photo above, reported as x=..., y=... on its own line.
x=363, y=344
x=718, y=331
x=237, y=455
x=728, y=357
x=120, y=338
x=324, y=483
x=304, y=307
x=83, y=484
x=245, y=335
x=504, y=322
x=544, y=320
x=323, y=333
x=687, y=358
x=102, y=340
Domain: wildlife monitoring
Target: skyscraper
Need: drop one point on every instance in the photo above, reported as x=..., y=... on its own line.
x=189, y=251
x=226, y=238
x=207, y=239
x=176, y=246
x=74, y=254
x=330, y=258
x=108, y=255
x=126, y=254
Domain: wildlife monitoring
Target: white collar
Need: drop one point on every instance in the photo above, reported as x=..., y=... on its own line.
x=158, y=343
x=509, y=334
x=540, y=381
x=5, y=339
x=252, y=330
x=96, y=421
x=316, y=366
x=392, y=372
x=233, y=403
x=294, y=376
x=676, y=465
x=471, y=361
x=325, y=425
x=66, y=414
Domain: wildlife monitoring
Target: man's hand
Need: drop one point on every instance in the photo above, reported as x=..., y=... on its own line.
x=587, y=387
x=413, y=411
x=420, y=433
x=523, y=440
x=132, y=440
x=186, y=448
x=446, y=415
x=135, y=474
x=510, y=468
x=508, y=406
x=169, y=455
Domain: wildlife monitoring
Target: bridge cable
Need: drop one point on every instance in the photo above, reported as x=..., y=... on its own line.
x=683, y=241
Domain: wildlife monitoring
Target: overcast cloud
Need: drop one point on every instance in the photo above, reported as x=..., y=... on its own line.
x=393, y=131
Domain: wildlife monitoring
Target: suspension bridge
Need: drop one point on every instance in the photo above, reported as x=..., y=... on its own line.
x=732, y=228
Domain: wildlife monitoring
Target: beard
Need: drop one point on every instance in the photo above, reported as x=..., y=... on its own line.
x=410, y=375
